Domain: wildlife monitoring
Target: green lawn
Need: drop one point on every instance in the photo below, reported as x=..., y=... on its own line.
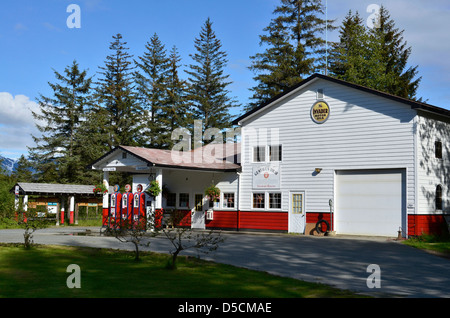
x=439, y=244
x=41, y=272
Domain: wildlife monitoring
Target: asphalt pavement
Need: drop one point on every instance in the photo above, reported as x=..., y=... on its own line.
x=374, y=266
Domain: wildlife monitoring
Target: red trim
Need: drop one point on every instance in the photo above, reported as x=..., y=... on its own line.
x=223, y=219
x=419, y=224
x=314, y=217
x=263, y=220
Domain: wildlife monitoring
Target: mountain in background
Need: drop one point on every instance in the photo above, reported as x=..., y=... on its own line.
x=7, y=164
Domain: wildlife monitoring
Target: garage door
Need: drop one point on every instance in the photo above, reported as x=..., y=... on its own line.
x=370, y=202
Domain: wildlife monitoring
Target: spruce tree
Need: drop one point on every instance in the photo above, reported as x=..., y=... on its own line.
x=116, y=94
x=208, y=83
x=397, y=78
x=150, y=78
x=54, y=157
x=376, y=58
x=175, y=109
x=295, y=48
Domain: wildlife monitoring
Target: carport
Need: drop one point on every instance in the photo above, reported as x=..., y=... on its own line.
x=59, y=195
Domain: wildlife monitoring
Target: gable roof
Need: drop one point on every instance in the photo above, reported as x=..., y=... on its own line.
x=52, y=189
x=213, y=157
x=414, y=104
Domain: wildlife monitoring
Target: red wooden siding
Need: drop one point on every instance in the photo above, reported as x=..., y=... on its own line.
x=223, y=219
x=314, y=217
x=419, y=224
x=263, y=220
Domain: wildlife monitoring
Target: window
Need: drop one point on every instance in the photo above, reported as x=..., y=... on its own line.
x=228, y=200
x=171, y=199
x=198, y=200
x=258, y=200
x=439, y=197
x=275, y=153
x=259, y=154
x=438, y=149
x=274, y=200
x=184, y=200
x=320, y=93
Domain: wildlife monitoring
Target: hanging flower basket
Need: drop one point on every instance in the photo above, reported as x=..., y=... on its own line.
x=153, y=189
x=213, y=193
x=100, y=189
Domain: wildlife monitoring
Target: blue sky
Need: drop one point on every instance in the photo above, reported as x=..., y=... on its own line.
x=35, y=40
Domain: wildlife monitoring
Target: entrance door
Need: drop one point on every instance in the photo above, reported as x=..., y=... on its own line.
x=296, y=212
x=198, y=215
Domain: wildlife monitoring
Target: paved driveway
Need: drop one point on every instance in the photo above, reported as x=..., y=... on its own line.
x=338, y=261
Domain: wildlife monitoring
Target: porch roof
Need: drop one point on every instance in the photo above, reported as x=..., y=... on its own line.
x=213, y=157
x=26, y=188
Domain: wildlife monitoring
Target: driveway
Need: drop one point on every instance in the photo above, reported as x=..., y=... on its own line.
x=337, y=261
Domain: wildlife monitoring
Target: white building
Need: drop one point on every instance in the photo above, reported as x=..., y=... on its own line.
x=378, y=162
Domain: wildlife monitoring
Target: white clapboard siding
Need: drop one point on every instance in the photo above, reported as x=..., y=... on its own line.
x=363, y=131
x=431, y=170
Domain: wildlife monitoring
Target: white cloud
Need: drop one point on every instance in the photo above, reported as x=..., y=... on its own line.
x=16, y=124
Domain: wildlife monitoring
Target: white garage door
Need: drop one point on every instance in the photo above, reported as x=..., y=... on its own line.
x=370, y=202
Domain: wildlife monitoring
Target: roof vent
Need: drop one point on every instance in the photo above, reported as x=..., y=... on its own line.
x=320, y=93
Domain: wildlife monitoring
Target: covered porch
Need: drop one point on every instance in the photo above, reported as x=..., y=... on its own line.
x=183, y=178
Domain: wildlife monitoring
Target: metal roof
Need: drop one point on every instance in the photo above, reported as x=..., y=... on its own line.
x=53, y=188
x=213, y=157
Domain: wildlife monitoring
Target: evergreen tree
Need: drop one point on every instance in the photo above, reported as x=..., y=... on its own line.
x=150, y=79
x=116, y=94
x=175, y=109
x=23, y=172
x=208, y=84
x=295, y=48
x=54, y=157
x=376, y=58
x=398, y=78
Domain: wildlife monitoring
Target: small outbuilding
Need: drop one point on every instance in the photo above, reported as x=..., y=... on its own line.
x=56, y=198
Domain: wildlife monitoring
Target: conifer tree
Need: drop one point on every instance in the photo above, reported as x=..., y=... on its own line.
x=376, y=58
x=397, y=78
x=54, y=157
x=295, y=48
x=175, y=108
x=150, y=78
x=208, y=83
x=116, y=94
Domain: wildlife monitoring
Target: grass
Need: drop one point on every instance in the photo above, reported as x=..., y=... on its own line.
x=41, y=272
x=439, y=244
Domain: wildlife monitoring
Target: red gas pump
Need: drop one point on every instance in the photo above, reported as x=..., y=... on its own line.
x=116, y=207
x=127, y=206
x=139, y=211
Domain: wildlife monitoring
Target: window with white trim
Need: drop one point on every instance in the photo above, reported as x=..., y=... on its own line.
x=275, y=153
x=259, y=154
x=258, y=200
x=275, y=200
x=183, y=200
x=228, y=200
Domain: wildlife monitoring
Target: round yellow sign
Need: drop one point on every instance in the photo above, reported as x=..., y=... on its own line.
x=320, y=112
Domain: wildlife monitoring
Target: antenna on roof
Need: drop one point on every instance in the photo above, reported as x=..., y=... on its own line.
x=326, y=37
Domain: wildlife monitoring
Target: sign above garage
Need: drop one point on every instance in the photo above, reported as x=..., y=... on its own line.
x=320, y=112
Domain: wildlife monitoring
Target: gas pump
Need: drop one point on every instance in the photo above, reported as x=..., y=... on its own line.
x=116, y=207
x=127, y=206
x=139, y=208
